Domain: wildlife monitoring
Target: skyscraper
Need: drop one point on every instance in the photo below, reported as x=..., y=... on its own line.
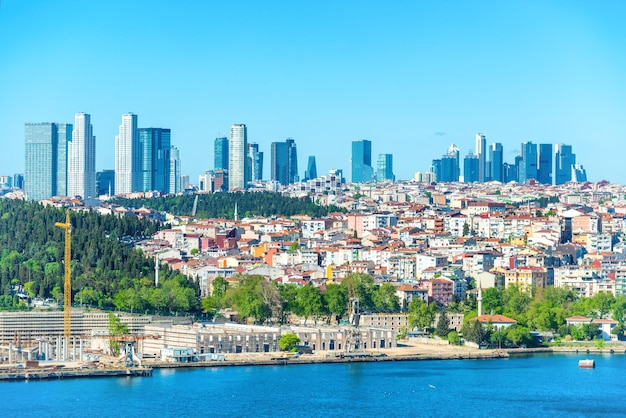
x=105, y=182
x=579, y=174
x=46, y=159
x=446, y=168
x=256, y=162
x=528, y=165
x=564, y=161
x=128, y=176
x=362, y=170
x=311, y=169
x=284, y=162
x=237, y=158
x=481, y=154
x=496, y=162
x=292, y=161
x=155, y=144
x=220, y=154
x=544, y=169
x=81, y=161
x=175, y=176
x=384, y=168
x=471, y=165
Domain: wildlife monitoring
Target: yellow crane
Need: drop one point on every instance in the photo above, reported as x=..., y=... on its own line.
x=67, y=287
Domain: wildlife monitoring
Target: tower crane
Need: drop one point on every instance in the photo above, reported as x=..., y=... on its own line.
x=67, y=286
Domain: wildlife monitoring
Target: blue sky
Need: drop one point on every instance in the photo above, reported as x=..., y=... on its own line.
x=411, y=76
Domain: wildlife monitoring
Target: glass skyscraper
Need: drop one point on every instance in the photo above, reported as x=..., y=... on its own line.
x=237, y=158
x=446, y=169
x=481, y=154
x=220, y=154
x=81, y=161
x=255, y=163
x=284, y=167
x=155, y=146
x=311, y=169
x=471, y=165
x=384, y=168
x=527, y=169
x=362, y=170
x=46, y=159
x=496, y=162
x=544, y=170
x=564, y=161
x=128, y=177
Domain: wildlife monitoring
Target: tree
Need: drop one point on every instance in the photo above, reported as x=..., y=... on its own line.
x=288, y=342
x=309, y=301
x=385, y=299
x=421, y=314
x=443, y=325
x=602, y=303
x=360, y=285
x=453, y=338
x=336, y=299
x=116, y=327
x=466, y=229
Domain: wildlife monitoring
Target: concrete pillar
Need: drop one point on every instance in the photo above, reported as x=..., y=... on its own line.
x=59, y=353
x=80, y=353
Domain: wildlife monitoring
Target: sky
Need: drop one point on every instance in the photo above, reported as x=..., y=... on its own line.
x=410, y=76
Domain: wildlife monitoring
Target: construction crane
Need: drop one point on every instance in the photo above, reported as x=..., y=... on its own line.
x=67, y=287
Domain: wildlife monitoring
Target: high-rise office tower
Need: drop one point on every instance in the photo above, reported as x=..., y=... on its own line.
x=496, y=162
x=154, y=146
x=528, y=165
x=284, y=162
x=579, y=174
x=311, y=169
x=237, y=158
x=81, y=161
x=446, y=169
x=481, y=154
x=220, y=154
x=384, y=168
x=255, y=163
x=105, y=182
x=509, y=172
x=176, y=184
x=362, y=170
x=544, y=169
x=471, y=165
x=18, y=181
x=564, y=161
x=128, y=177
x=46, y=159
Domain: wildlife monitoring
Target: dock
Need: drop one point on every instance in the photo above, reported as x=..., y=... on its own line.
x=70, y=373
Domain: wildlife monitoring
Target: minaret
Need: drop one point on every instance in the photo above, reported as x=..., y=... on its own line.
x=480, y=298
x=236, y=212
x=156, y=271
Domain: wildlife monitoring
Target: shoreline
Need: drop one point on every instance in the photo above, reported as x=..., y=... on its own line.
x=417, y=352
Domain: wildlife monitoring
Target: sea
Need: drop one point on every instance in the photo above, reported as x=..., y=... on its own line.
x=548, y=385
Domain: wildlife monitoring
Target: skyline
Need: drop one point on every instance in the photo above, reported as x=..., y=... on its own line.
x=411, y=78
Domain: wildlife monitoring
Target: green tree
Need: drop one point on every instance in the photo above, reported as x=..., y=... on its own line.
x=336, y=299
x=361, y=286
x=453, y=338
x=116, y=327
x=443, y=325
x=309, y=301
x=288, y=342
x=421, y=314
x=602, y=303
x=385, y=299
x=466, y=229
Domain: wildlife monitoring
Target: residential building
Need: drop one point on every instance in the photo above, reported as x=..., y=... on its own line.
x=237, y=158
x=362, y=170
x=127, y=156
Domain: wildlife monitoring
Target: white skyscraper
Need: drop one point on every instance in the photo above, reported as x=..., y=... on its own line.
x=237, y=158
x=175, y=183
x=481, y=152
x=81, y=159
x=127, y=156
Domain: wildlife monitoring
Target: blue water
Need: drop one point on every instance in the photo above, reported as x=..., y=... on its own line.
x=542, y=385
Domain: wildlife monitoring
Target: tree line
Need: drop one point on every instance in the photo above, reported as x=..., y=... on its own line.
x=222, y=205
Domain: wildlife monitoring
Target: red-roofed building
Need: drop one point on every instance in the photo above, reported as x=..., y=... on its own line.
x=497, y=321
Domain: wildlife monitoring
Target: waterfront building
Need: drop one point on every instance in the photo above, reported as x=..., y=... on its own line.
x=496, y=162
x=105, y=182
x=481, y=155
x=155, y=148
x=362, y=170
x=127, y=156
x=220, y=154
x=311, y=169
x=527, y=169
x=46, y=159
x=237, y=158
x=81, y=159
x=564, y=161
x=544, y=169
x=384, y=168
x=471, y=168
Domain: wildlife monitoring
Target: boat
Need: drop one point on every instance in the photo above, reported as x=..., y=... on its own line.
x=586, y=364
